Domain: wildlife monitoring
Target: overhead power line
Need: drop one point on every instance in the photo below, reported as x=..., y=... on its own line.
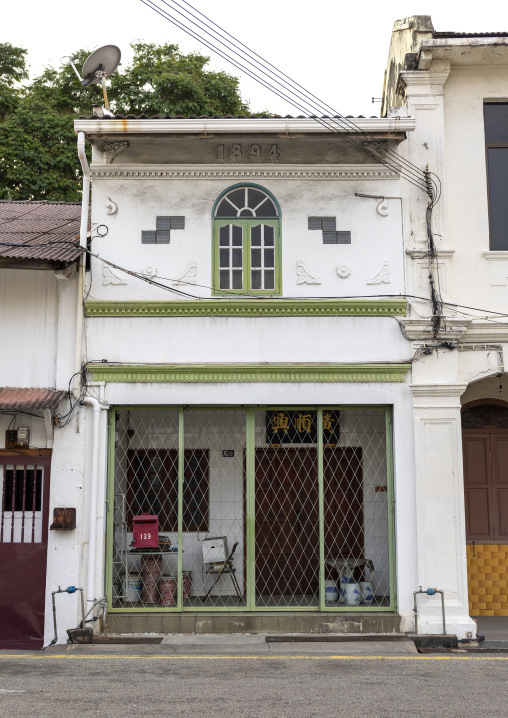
x=263, y=72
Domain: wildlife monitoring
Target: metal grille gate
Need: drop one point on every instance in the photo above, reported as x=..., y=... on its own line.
x=24, y=490
x=301, y=498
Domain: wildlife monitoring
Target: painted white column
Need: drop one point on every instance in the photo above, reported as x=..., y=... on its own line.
x=441, y=534
x=426, y=147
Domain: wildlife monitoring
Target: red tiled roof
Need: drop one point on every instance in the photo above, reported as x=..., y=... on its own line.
x=47, y=231
x=20, y=399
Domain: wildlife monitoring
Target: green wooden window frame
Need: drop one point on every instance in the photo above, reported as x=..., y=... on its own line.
x=247, y=225
x=241, y=218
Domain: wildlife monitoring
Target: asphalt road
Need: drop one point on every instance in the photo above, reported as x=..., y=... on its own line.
x=214, y=679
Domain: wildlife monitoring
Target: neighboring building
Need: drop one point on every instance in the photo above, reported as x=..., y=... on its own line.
x=455, y=86
x=38, y=302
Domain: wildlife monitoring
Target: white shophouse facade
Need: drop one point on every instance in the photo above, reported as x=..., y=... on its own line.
x=215, y=388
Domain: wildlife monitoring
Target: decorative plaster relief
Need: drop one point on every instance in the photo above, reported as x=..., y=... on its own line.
x=111, y=207
x=382, y=208
x=383, y=276
x=303, y=276
x=188, y=276
x=109, y=277
x=319, y=172
x=112, y=149
x=343, y=271
x=149, y=271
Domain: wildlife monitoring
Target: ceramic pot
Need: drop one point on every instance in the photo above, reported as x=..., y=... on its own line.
x=331, y=592
x=353, y=594
x=367, y=591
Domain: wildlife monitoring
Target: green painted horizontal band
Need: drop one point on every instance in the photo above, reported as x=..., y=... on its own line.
x=249, y=308
x=197, y=373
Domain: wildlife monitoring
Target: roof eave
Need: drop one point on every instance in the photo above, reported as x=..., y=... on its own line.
x=391, y=125
x=30, y=263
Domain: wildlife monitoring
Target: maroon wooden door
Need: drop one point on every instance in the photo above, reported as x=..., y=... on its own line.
x=24, y=485
x=343, y=502
x=287, y=515
x=287, y=521
x=485, y=455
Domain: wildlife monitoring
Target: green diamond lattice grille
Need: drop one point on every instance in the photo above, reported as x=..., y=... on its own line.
x=258, y=509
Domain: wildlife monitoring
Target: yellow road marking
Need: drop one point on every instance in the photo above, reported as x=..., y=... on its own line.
x=266, y=658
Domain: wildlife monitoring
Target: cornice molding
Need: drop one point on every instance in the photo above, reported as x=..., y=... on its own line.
x=264, y=125
x=422, y=328
x=197, y=172
x=227, y=373
x=425, y=77
x=438, y=390
x=495, y=256
x=424, y=253
x=248, y=308
x=487, y=332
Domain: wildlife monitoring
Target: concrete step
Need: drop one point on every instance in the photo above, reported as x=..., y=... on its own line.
x=248, y=622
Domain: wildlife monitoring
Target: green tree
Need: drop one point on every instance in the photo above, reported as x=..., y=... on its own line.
x=38, y=157
x=162, y=81
x=12, y=71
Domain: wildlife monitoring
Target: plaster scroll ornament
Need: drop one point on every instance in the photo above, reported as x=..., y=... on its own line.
x=112, y=149
x=111, y=207
x=149, y=271
x=303, y=276
x=188, y=276
x=383, y=276
x=109, y=277
x=382, y=208
x=343, y=270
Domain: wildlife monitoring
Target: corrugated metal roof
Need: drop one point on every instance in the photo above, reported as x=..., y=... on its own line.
x=225, y=117
x=438, y=35
x=50, y=224
x=22, y=399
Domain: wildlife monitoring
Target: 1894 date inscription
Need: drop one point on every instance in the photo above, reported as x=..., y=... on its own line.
x=247, y=153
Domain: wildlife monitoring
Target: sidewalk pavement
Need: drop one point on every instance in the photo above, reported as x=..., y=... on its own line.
x=230, y=644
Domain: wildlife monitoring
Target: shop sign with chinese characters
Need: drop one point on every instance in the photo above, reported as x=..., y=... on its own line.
x=300, y=427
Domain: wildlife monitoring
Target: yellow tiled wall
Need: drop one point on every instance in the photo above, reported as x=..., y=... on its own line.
x=487, y=578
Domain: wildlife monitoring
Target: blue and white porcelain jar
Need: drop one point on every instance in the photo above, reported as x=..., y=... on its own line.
x=353, y=594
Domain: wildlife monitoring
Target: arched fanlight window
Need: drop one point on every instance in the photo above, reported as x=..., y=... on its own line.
x=246, y=242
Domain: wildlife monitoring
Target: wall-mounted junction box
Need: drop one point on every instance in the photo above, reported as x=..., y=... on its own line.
x=17, y=438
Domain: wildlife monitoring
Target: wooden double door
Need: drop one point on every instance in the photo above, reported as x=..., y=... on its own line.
x=287, y=515
x=485, y=453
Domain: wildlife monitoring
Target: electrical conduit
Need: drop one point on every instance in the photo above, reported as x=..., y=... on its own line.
x=83, y=232
x=94, y=477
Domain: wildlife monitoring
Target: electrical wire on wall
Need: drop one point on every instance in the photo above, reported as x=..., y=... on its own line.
x=200, y=27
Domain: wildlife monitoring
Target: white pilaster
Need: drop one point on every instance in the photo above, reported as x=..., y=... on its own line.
x=441, y=536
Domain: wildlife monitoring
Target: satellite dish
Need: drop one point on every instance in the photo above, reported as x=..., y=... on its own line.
x=101, y=63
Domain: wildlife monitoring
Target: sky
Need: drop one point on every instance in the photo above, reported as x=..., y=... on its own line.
x=336, y=50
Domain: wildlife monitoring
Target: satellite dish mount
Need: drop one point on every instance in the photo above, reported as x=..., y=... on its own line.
x=98, y=66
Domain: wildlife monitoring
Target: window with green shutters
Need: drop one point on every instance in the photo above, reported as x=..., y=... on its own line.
x=246, y=243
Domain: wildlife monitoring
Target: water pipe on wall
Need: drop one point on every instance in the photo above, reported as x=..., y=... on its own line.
x=69, y=589
x=429, y=592
x=94, y=478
